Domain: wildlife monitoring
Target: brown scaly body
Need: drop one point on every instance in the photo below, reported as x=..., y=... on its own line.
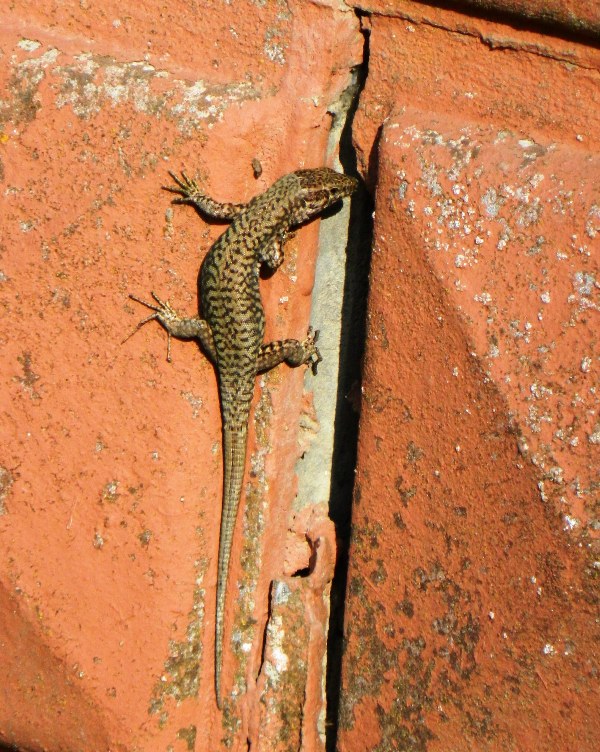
x=233, y=326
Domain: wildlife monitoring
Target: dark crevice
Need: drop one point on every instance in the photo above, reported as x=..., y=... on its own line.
x=552, y=22
x=312, y=561
x=352, y=341
x=263, y=637
x=302, y=572
x=353, y=336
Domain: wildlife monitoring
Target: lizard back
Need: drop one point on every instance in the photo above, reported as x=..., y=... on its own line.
x=233, y=326
x=232, y=306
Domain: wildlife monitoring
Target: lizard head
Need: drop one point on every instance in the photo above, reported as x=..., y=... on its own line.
x=318, y=189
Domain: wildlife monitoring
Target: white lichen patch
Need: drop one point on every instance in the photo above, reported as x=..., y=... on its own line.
x=492, y=202
x=485, y=298
x=32, y=69
x=22, y=99
x=507, y=227
x=29, y=45
x=592, y=223
x=88, y=83
x=279, y=660
x=586, y=290
x=281, y=593
x=275, y=52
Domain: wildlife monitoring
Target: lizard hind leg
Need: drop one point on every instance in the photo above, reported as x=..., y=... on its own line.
x=177, y=326
x=152, y=317
x=290, y=351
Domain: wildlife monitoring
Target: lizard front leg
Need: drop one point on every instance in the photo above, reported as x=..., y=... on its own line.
x=189, y=193
x=272, y=253
x=291, y=351
x=176, y=326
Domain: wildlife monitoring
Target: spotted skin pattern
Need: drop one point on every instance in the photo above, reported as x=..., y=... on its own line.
x=232, y=330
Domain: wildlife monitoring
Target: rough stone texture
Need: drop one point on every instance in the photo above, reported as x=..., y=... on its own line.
x=576, y=15
x=110, y=467
x=471, y=615
x=562, y=16
x=471, y=609
x=291, y=683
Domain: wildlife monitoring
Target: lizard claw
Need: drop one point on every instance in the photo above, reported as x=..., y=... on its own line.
x=162, y=311
x=184, y=186
x=163, y=305
x=313, y=356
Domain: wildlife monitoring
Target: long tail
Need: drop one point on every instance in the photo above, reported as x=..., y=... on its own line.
x=234, y=460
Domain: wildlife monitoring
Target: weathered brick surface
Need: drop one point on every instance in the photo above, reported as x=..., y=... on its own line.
x=555, y=16
x=110, y=462
x=471, y=608
x=471, y=604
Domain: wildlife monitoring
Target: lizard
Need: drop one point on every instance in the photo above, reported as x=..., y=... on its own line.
x=232, y=329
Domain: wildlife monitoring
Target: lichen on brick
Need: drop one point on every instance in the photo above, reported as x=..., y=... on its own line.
x=23, y=101
x=365, y=539
x=371, y=658
x=29, y=377
x=181, y=676
x=442, y=656
x=6, y=482
x=286, y=662
x=89, y=82
x=188, y=734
